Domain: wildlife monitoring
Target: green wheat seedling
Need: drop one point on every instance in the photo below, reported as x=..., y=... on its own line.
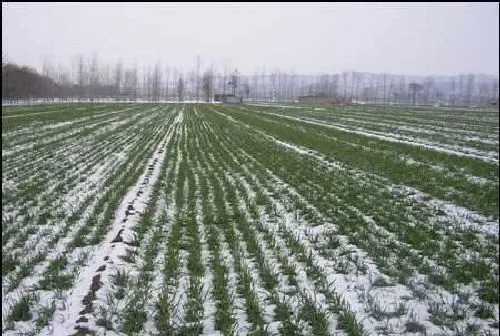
x=21, y=311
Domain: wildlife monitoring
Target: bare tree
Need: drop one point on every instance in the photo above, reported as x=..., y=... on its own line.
x=81, y=78
x=175, y=82
x=427, y=87
x=106, y=77
x=372, y=92
x=145, y=82
x=385, y=87
x=280, y=88
x=402, y=89
x=255, y=83
x=414, y=87
x=130, y=83
x=322, y=85
x=167, y=77
x=197, y=79
x=494, y=91
x=345, y=76
x=191, y=88
x=63, y=78
x=335, y=85
x=49, y=72
x=359, y=82
x=180, y=88
x=149, y=76
x=286, y=86
x=453, y=90
x=135, y=81
x=216, y=79
x=483, y=88
x=246, y=88
x=156, y=82
x=273, y=83
x=392, y=93
x=292, y=85
x=263, y=83
x=208, y=84
x=353, y=77
x=235, y=79
x=224, y=81
x=94, y=77
x=439, y=95
x=118, y=79
x=470, y=87
x=461, y=83
x=93, y=81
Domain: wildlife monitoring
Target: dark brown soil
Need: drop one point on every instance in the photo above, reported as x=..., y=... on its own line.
x=90, y=297
x=82, y=319
x=118, y=238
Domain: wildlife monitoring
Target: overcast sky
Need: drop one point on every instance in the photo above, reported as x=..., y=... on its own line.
x=405, y=38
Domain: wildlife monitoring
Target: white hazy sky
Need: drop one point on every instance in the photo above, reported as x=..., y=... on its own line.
x=402, y=38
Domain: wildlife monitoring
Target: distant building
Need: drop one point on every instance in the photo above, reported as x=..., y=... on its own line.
x=323, y=100
x=227, y=98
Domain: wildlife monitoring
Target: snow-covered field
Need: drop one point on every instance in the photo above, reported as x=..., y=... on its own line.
x=194, y=219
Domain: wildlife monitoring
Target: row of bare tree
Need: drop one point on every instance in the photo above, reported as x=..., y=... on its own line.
x=90, y=80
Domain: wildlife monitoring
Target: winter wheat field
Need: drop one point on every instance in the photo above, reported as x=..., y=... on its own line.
x=172, y=219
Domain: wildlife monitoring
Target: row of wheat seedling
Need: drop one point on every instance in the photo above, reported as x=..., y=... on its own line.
x=84, y=228
x=313, y=193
